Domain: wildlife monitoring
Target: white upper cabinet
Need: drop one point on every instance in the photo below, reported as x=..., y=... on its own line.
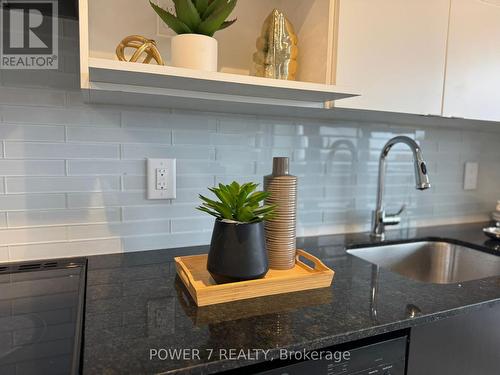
x=394, y=53
x=472, y=87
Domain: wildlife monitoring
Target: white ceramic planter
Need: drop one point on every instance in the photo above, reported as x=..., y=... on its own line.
x=194, y=51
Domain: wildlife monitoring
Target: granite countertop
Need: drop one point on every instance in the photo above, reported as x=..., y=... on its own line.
x=135, y=304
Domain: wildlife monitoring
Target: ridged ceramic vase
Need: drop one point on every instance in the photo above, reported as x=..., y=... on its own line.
x=281, y=230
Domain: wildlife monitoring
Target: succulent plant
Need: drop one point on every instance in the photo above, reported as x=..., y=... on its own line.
x=197, y=16
x=237, y=203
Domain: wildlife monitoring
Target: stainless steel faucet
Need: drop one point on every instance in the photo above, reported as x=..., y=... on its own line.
x=380, y=218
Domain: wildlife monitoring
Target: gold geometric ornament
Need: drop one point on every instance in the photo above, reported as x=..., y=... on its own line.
x=277, y=50
x=142, y=46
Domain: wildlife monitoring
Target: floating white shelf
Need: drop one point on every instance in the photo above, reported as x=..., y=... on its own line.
x=127, y=83
x=166, y=77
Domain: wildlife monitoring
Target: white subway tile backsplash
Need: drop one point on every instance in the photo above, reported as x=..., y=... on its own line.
x=142, y=118
x=301, y=169
x=61, y=184
x=64, y=249
x=24, y=78
x=242, y=128
x=308, y=192
x=240, y=125
x=4, y=254
x=193, y=181
x=181, y=137
x=214, y=167
x=303, y=155
x=282, y=127
x=138, y=183
x=32, y=150
x=187, y=195
x=309, y=217
x=88, y=116
x=443, y=135
x=109, y=230
x=342, y=129
x=3, y=220
x=337, y=217
x=157, y=212
x=450, y=147
x=32, y=235
x=134, y=183
x=192, y=224
x=26, y=202
x=107, y=199
x=31, y=96
x=60, y=217
x=490, y=155
x=452, y=173
x=31, y=133
x=192, y=121
x=372, y=179
x=284, y=141
x=106, y=167
x=122, y=135
x=277, y=152
x=240, y=153
x=448, y=187
x=32, y=167
x=140, y=152
x=72, y=175
x=165, y=241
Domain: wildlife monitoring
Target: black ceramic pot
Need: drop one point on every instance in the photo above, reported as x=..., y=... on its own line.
x=237, y=252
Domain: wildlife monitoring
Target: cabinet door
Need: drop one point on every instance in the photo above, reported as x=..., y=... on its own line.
x=466, y=344
x=472, y=88
x=393, y=52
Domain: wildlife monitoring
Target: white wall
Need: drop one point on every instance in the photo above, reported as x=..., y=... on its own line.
x=72, y=176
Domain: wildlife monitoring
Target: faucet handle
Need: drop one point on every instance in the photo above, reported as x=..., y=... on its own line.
x=401, y=210
x=394, y=219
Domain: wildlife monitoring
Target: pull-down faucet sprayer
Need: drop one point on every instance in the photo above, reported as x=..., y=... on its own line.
x=380, y=218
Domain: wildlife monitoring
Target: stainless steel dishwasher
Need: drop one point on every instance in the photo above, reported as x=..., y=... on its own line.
x=386, y=357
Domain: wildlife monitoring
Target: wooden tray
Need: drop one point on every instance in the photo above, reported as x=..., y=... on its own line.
x=192, y=270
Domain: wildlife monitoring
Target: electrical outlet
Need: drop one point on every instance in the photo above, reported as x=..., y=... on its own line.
x=470, y=176
x=161, y=176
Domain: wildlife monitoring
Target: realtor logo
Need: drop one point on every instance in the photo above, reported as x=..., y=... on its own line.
x=29, y=34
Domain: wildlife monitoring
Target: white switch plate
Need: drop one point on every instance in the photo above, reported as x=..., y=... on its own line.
x=161, y=178
x=470, y=176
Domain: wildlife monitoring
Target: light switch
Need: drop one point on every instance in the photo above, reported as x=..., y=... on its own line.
x=470, y=176
x=161, y=176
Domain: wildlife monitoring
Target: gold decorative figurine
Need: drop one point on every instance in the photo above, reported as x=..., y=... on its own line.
x=142, y=46
x=277, y=51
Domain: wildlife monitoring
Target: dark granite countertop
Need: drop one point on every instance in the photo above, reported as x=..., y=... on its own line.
x=135, y=303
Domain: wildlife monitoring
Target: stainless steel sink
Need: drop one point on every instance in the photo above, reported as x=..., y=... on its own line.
x=432, y=261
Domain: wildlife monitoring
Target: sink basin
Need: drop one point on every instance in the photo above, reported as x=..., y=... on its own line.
x=437, y=262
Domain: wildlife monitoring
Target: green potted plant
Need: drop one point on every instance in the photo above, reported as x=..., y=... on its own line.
x=195, y=22
x=238, y=246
